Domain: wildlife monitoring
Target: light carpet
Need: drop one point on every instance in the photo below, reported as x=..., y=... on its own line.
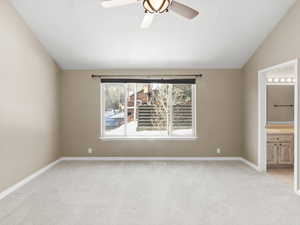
x=152, y=193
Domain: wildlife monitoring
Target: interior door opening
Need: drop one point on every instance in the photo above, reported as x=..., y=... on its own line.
x=278, y=122
x=280, y=129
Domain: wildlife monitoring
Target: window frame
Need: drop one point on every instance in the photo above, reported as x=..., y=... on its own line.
x=170, y=136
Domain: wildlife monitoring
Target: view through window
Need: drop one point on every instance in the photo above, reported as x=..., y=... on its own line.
x=148, y=110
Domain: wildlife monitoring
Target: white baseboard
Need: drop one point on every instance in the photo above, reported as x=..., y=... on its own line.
x=43, y=170
x=26, y=180
x=250, y=164
x=150, y=158
x=162, y=159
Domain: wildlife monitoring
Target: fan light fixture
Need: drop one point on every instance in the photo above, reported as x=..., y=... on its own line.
x=153, y=7
x=156, y=6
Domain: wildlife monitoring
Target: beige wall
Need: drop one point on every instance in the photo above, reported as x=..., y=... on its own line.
x=280, y=95
x=219, y=106
x=29, y=101
x=282, y=45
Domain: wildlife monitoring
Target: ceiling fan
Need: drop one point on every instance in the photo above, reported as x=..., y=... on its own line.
x=153, y=7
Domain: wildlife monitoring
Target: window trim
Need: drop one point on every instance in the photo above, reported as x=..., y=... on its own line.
x=150, y=138
x=104, y=137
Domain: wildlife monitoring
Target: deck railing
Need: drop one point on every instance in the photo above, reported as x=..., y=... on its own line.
x=151, y=117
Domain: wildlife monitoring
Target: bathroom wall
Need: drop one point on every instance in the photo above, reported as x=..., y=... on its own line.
x=280, y=95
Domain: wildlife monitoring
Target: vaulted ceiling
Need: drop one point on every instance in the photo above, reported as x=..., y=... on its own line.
x=80, y=34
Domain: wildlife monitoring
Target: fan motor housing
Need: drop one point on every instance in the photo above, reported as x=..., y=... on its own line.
x=156, y=6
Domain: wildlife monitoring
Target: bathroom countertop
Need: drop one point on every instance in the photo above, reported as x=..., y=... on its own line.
x=280, y=128
x=280, y=131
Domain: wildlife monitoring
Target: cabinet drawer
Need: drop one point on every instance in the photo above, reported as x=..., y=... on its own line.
x=280, y=138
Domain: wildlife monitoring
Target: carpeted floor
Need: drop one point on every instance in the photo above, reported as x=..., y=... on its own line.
x=152, y=193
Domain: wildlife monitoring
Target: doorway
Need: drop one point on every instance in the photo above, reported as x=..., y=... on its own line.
x=278, y=122
x=280, y=127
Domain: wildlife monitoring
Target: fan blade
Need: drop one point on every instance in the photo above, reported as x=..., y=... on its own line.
x=147, y=21
x=117, y=3
x=183, y=10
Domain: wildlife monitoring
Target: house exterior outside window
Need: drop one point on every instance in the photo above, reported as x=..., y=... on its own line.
x=148, y=110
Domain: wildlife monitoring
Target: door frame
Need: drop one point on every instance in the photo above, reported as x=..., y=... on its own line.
x=262, y=119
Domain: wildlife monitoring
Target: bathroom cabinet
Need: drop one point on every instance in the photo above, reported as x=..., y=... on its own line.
x=280, y=150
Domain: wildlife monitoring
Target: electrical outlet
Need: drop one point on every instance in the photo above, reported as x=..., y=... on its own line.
x=90, y=151
x=219, y=151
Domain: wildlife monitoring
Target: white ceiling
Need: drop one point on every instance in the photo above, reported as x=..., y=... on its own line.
x=79, y=34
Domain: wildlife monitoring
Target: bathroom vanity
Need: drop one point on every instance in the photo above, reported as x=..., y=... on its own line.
x=280, y=145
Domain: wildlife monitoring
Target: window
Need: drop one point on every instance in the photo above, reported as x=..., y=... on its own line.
x=148, y=108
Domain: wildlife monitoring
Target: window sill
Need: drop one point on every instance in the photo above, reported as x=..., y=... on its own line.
x=148, y=138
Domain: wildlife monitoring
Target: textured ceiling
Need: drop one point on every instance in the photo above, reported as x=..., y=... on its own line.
x=79, y=34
